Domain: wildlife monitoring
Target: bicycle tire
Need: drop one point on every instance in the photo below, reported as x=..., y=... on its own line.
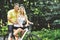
x=32, y=37
x=6, y=38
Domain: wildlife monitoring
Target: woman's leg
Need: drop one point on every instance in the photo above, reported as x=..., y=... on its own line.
x=22, y=32
x=17, y=31
x=16, y=36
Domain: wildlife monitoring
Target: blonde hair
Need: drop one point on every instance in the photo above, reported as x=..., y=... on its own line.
x=23, y=9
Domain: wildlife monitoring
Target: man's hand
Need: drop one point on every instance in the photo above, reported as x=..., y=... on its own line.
x=15, y=23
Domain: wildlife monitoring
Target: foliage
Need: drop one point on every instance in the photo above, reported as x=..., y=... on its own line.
x=47, y=34
x=3, y=30
x=40, y=12
x=44, y=34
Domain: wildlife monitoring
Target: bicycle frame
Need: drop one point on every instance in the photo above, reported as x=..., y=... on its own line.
x=26, y=30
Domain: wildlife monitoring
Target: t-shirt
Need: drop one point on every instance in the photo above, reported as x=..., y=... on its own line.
x=13, y=15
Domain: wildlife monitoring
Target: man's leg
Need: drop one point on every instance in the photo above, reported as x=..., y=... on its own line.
x=9, y=37
x=10, y=30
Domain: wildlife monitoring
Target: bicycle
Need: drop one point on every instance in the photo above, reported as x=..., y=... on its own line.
x=28, y=34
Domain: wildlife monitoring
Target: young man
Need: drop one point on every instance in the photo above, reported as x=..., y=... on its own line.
x=11, y=17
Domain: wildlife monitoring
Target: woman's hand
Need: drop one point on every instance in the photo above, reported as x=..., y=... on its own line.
x=21, y=25
x=26, y=25
x=31, y=22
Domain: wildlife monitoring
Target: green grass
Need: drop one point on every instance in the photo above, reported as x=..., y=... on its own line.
x=44, y=34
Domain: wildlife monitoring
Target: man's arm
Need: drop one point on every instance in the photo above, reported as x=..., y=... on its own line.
x=9, y=17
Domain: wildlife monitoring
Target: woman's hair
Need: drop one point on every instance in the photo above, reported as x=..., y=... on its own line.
x=23, y=9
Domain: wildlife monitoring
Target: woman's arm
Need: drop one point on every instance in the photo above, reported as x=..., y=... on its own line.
x=30, y=22
x=27, y=22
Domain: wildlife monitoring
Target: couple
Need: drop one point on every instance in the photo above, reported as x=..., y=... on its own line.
x=16, y=18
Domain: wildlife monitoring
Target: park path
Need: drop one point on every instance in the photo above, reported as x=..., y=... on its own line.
x=1, y=38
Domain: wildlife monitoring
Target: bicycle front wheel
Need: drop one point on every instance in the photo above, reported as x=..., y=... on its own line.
x=32, y=37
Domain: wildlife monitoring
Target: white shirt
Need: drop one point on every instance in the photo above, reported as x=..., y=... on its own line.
x=21, y=20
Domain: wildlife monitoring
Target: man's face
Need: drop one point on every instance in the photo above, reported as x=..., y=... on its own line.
x=16, y=7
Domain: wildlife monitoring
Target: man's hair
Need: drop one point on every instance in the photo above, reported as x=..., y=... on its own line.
x=16, y=4
x=21, y=5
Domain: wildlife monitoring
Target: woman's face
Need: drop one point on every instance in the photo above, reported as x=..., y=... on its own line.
x=21, y=10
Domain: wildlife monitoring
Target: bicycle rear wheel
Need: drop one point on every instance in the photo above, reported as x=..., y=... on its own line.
x=32, y=37
x=6, y=38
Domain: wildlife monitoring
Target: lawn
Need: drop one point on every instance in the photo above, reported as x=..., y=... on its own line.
x=44, y=34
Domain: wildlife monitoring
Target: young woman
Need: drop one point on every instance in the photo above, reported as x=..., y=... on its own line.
x=21, y=19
